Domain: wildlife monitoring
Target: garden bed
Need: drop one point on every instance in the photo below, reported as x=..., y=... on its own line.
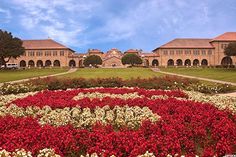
x=117, y=122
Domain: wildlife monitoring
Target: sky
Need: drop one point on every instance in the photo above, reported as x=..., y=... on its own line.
x=122, y=24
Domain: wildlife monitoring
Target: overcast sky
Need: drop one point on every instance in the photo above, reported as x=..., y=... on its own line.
x=122, y=24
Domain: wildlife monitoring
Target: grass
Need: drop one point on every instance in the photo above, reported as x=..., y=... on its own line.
x=222, y=74
x=124, y=73
x=12, y=75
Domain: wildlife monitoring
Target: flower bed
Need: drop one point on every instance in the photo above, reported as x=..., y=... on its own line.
x=116, y=122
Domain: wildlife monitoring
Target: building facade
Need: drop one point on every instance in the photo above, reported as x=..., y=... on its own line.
x=196, y=52
x=178, y=52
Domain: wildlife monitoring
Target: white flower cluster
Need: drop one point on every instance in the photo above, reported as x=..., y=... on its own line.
x=131, y=117
x=103, y=95
x=216, y=88
x=5, y=99
x=159, y=97
x=219, y=101
x=147, y=154
x=16, y=153
x=47, y=152
x=15, y=88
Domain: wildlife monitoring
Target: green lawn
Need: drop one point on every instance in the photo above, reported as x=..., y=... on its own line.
x=12, y=75
x=212, y=73
x=125, y=73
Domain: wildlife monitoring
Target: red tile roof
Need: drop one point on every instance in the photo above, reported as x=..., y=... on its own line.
x=43, y=44
x=149, y=55
x=132, y=50
x=188, y=43
x=228, y=36
x=94, y=51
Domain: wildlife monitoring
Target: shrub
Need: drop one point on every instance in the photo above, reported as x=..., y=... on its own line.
x=165, y=82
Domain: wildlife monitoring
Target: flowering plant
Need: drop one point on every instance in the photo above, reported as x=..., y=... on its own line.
x=118, y=122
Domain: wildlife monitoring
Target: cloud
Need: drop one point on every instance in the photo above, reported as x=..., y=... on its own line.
x=5, y=15
x=60, y=19
x=143, y=24
x=69, y=37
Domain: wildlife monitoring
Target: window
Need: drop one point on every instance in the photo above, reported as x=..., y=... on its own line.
x=203, y=52
x=172, y=52
x=187, y=52
x=165, y=52
x=223, y=46
x=31, y=53
x=209, y=52
x=47, y=53
x=61, y=53
x=54, y=53
x=196, y=52
x=179, y=52
x=39, y=53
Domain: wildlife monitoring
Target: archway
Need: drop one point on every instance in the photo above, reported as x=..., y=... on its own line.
x=81, y=63
x=179, y=62
x=195, y=62
x=56, y=63
x=72, y=63
x=187, y=62
x=147, y=62
x=170, y=62
x=39, y=63
x=155, y=62
x=31, y=63
x=204, y=62
x=48, y=63
x=226, y=61
x=22, y=63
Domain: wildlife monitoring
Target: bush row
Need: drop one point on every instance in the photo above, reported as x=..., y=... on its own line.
x=165, y=82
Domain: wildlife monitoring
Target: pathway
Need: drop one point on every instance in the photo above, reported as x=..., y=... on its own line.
x=27, y=79
x=199, y=78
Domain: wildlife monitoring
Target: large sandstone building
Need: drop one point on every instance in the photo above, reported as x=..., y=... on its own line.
x=178, y=52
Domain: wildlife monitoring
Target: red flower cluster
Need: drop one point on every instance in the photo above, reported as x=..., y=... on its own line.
x=61, y=99
x=186, y=127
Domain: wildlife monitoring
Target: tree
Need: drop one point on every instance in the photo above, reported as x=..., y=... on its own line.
x=230, y=50
x=10, y=47
x=131, y=59
x=93, y=60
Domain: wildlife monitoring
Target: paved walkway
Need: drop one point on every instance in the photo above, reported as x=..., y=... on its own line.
x=27, y=79
x=199, y=78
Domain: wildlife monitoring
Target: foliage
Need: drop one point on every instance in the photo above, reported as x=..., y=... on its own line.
x=10, y=47
x=131, y=59
x=93, y=60
x=181, y=126
x=165, y=82
x=230, y=50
